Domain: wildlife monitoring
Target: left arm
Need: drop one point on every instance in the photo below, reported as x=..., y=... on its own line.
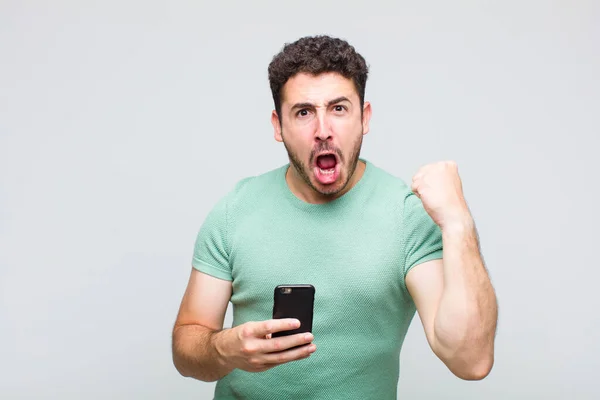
x=454, y=296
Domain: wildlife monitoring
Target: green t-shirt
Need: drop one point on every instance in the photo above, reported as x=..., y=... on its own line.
x=355, y=251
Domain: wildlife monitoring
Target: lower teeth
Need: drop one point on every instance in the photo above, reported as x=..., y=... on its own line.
x=327, y=171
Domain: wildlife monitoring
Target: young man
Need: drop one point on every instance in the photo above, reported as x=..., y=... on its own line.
x=376, y=249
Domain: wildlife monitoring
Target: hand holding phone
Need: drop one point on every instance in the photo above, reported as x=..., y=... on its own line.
x=251, y=346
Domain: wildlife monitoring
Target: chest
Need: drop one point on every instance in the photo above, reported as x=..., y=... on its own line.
x=355, y=259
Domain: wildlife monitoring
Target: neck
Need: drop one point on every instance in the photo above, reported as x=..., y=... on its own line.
x=306, y=193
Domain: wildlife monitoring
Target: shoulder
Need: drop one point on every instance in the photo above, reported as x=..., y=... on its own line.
x=249, y=193
x=390, y=184
x=255, y=187
x=243, y=197
x=395, y=194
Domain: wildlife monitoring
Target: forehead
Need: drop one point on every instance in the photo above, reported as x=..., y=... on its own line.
x=304, y=87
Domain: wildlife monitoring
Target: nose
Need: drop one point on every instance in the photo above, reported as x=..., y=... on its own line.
x=323, y=130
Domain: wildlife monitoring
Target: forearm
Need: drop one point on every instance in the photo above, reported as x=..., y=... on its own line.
x=195, y=354
x=465, y=322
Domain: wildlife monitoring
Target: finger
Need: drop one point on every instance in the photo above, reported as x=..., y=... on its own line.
x=286, y=342
x=263, y=328
x=415, y=187
x=289, y=355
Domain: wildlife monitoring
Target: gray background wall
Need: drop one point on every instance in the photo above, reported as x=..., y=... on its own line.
x=122, y=123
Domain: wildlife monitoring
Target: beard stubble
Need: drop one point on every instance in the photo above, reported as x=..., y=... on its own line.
x=304, y=171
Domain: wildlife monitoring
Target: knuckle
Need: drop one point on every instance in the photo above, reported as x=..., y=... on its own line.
x=247, y=349
x=268, y=327
x=247, y=331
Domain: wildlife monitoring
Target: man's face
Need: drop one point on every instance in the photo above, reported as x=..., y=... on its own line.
x=321, y=126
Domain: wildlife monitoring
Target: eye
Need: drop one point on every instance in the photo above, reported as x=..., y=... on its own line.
x=302, y=113
x=339, y=108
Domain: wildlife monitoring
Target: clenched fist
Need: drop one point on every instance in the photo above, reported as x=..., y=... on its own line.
x=439, y=187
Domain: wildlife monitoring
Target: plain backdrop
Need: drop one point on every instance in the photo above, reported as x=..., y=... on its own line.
x=123, y=122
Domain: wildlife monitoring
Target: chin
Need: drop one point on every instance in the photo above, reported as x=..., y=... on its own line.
x=330, y=189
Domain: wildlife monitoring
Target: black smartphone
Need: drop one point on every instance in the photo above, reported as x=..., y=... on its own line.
x=294, y=301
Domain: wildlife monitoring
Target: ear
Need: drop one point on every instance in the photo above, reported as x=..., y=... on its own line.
x=276, y=126
x=366, y=118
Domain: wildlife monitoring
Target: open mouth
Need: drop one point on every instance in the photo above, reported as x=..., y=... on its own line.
x=326, y=163
x=327, y=168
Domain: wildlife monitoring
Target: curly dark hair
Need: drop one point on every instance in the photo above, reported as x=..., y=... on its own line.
x=316, y=55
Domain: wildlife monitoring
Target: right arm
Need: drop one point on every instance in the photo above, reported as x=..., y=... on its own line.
x=203, y=350
x=200, y=319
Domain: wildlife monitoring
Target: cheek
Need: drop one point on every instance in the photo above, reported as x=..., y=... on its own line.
x=300, y=140
x=300, y=132
x=346, y=130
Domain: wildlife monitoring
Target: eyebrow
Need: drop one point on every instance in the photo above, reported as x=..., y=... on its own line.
x=329, y=103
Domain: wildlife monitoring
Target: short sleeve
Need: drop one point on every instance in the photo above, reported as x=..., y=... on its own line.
x=211, y=253
x=422, y=238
